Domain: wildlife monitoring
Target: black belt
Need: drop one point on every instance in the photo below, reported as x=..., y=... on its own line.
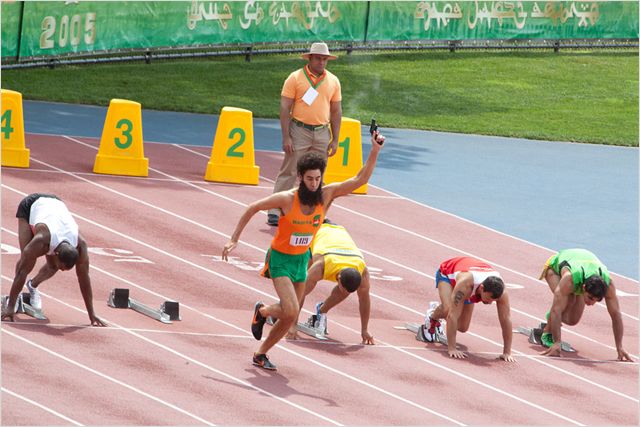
x=306, y=126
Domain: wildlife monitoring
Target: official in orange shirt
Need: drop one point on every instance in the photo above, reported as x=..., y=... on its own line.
x=287, y=259
x=310, y=116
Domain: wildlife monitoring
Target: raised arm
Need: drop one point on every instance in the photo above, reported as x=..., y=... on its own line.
x=82, y=272
x=343, y=188
x=613, y=307
x=504, y=316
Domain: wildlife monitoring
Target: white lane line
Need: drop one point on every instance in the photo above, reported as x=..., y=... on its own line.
x=151, y=331
x=147, y=178
x=105, y=376
x=41, y=406
x=182, y=147
x=313, y=342
x=179, y=146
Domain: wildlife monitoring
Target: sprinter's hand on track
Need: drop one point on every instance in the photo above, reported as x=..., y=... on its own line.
x=554, y=350
x=227, y=249
x=457, y=354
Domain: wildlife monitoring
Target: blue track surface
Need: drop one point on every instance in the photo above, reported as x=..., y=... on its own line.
x=555, y=194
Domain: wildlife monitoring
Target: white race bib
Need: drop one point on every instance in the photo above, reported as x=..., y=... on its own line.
x=310, y=96
x=300, y=239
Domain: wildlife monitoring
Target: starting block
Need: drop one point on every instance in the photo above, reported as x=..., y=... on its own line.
x=306, y=328
x=414, y=327
x=535, y=337
x=309, y=328
x=23, y=306
x=168, y=311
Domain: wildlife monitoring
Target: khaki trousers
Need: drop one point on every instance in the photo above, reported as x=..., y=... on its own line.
x=304, y=141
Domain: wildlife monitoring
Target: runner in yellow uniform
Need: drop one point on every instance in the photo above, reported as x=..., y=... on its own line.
x=287, y=259
x=335, y=257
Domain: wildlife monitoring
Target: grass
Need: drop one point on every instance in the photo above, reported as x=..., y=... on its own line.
x=583, y=96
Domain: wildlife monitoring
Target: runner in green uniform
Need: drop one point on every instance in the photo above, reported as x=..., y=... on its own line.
x=578, y=278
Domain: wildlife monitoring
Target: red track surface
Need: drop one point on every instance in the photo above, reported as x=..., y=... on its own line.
x=139, y=371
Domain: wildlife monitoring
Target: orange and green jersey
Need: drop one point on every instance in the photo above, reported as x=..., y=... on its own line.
x=296, y=230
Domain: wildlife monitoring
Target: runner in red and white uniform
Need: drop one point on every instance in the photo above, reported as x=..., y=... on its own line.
x=462, y=282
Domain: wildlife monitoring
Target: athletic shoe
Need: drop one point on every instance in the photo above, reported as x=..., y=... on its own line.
x=440, y=327
x=35, y=300
x=428, y=336
x=263, y=362
x=257, y=324
x=432, y=307
x=433, y=327
x=321, y=319
x=421, y=335
x=546, y=339
x=273, y=219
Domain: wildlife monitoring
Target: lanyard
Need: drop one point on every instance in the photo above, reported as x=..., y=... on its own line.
x=307, y=74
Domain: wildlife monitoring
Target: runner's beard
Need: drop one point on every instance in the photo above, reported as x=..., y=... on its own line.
x=308, y=197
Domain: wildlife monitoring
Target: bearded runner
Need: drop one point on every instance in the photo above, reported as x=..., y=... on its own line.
x=287, y=258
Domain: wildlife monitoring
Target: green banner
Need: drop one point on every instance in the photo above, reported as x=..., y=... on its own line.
x=55, y=28
x=460, y=20
x=51, y=28
x=10, y=15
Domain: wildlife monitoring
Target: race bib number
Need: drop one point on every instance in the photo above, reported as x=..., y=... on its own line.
x=300, y=239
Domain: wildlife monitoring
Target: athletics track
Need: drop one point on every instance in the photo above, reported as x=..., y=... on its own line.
x=162, y=237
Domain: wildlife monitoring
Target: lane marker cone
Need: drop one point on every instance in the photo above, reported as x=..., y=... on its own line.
x=347, y=161
x=14, y=152
x=121, y=149
x=232, y=155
